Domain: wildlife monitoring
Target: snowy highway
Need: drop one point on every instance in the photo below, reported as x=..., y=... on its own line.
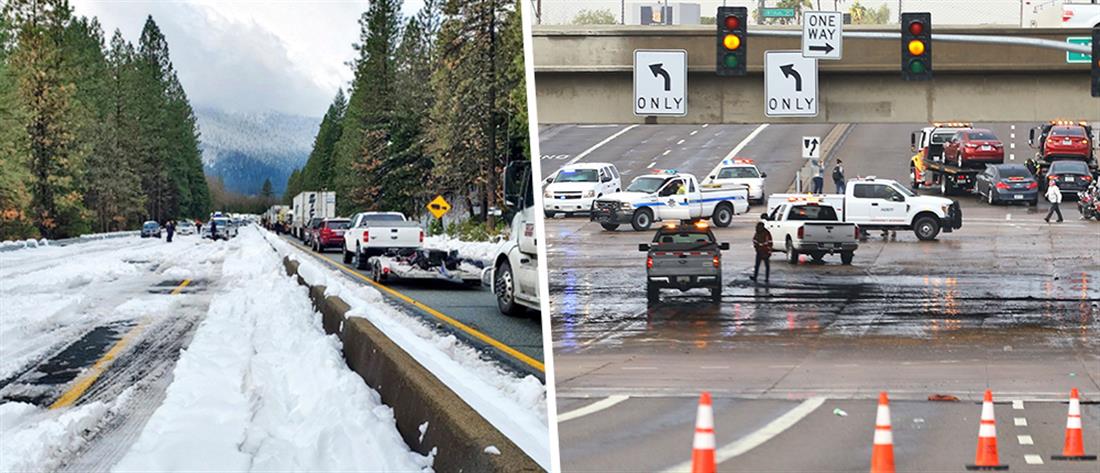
x=133, y=354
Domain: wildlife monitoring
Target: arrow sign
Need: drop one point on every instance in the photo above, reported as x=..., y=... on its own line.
x=810, y=147
x=658, y=70
x=788, y=71
x=822, y=34
x=828, y=48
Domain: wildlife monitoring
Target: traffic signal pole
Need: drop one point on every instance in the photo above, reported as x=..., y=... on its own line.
x=949, y=38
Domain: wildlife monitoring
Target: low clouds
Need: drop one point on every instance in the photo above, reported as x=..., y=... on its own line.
x=249, y=56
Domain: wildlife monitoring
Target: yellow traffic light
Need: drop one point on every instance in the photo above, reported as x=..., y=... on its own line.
x=916, y=47
x=731, y=42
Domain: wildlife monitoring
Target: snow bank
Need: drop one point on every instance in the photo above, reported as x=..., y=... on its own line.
x=479, y=250
x=514, y=405
x=261, y=387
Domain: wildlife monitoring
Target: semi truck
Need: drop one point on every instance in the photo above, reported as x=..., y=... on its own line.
x=514, y=275
x=307, y=206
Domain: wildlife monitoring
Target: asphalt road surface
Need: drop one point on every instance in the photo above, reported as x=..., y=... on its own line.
x=1008, y=302
x=475, y=307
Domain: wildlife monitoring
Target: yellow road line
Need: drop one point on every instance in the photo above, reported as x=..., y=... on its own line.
x=89, y=378
x=439, y=315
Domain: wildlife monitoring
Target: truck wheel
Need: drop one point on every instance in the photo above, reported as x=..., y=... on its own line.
x=610, y=226
x=723, y=215
x=652, y=294
x=549, y=214
x=642, y=220
x=505, y=289
x=347, y=256
x=360, y=260
x=792, y=254
x=926, y=228
x=846, y=257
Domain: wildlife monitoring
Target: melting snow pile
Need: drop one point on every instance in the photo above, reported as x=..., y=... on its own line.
x=514, y=405
x=261, y=388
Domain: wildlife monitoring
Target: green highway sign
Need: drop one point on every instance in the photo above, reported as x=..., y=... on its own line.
x=1075, y=57
x=778, y=12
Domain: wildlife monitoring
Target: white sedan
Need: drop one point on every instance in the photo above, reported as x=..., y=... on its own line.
x=744, y=172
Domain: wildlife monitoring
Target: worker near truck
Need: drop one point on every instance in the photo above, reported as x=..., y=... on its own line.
x=762, y=243
x=838, y=177
x=819, y=177
x=1054, y=195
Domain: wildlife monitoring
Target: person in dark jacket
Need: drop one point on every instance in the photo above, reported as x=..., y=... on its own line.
x=213, y=230
x=838, y=177
x=171, y=229
x=762, y=243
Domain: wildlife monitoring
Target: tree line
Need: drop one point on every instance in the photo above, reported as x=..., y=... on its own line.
x=437, y=105
x=95, y=135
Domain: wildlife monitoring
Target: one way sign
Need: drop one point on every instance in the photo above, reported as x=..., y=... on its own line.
x=821, y=34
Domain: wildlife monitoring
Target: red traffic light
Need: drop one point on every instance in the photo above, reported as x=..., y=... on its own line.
x=732, y=22
x=916, y=28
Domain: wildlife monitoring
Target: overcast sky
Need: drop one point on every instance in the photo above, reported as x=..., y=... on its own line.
x=250, y=56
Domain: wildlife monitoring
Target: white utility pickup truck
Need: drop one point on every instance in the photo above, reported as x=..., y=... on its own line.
x=669, y=195
x=374, y=233
x=809, y=227
x=884, y=204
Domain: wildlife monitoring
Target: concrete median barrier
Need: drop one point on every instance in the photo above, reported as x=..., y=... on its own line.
x=460, y=436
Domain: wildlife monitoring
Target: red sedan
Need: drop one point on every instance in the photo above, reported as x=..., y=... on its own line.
x=329, y=234
x=974, y=148
x=1068, y=141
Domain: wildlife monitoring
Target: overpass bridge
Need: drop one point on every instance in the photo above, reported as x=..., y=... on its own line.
x=583, y=74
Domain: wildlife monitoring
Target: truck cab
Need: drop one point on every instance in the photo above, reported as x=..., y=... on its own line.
x=683, y=256
x=515, y=276
x=670, y=196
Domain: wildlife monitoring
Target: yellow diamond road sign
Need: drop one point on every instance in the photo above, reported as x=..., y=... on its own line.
x=438, y=206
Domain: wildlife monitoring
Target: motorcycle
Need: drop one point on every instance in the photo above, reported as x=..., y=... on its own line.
x=1088, y=204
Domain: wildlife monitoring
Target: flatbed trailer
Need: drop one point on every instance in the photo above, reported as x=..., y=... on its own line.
x=425, y=264
x=947, y=178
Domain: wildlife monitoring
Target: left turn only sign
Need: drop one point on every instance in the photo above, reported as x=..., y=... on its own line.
x=660, y=82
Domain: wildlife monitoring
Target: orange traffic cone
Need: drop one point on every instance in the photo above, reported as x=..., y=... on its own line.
x=702, y=448
x=986, y=457
x=1075, y=442
x=882, y=453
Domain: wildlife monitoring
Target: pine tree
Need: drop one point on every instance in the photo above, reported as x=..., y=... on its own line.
x=370, y=107
x=294, y=186
x=318, y=172
x=51, y=122
x=266, y=192
x=124, y=201
x=15, y=222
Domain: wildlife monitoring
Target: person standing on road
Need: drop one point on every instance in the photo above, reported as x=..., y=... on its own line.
x=819, y=177
x=170, y=228
x=213, y=230
x=762, y=242
x=1054, y=195
x=838, y=177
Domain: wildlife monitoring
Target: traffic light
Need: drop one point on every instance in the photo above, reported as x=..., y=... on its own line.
x=916, y=46
x=1096, y=61
x=732, y=42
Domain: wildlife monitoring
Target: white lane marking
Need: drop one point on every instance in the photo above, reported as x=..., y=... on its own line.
x=693, y=132
x=1012, y=156
x=1012, y=145
x=1025, y=440
x=646, y=368
x=740, y=146
x=592, y=408
x=1013, y=126
x=666, y=152
x=680, y=142
x=1018, y=404
x=1008, y=216
x=706, y=125
x=651, y=165
x=1012, y=135
x=714, y=367
x=765, y=433
x=1033, y=459
x=1019, y=421
x=604, y=142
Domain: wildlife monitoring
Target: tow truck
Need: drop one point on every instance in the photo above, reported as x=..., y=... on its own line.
x=929, y=169
x=683, y=256
x=668, y=195
x=1062, y=140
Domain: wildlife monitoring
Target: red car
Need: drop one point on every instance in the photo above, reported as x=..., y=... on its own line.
x=1066, y=141
x=329, y=234
x=974, y=148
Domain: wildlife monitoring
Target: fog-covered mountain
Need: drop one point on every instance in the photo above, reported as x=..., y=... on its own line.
x=246, y=148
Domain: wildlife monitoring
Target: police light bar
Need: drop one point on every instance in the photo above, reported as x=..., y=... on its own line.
x=701, y=225
x=743, y=161
x=1062, y=122
x=665, y=171
x=952, y=124
x=809, y=198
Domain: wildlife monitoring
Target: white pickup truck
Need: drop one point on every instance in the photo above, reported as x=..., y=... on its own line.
x=668, y=195
x=884, y=204
x=806, y=226
x=373, y=233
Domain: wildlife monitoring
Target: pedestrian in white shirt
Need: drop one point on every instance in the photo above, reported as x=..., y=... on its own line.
x=1054, y=195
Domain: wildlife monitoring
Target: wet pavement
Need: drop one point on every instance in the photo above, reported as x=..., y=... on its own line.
x=1008, y=302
